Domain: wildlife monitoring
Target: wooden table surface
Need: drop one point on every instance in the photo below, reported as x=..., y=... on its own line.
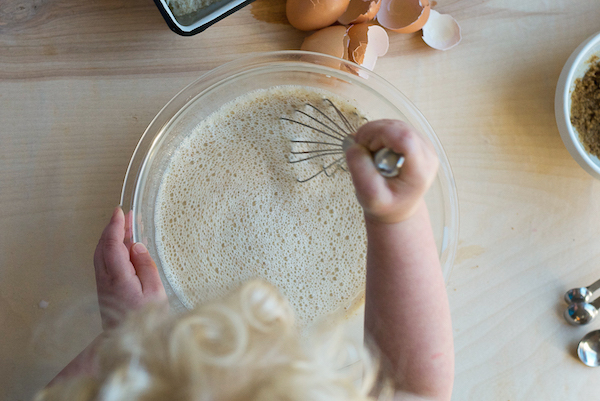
x=80, y=81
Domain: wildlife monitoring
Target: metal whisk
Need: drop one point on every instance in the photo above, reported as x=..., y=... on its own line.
x=330, y=122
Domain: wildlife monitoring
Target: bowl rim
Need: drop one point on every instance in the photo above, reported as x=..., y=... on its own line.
x=569, y=135
x=213, y=77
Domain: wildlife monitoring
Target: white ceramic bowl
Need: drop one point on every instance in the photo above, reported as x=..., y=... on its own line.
x=575, y=67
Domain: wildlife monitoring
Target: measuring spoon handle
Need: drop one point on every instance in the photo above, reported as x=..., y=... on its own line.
x=594, y=286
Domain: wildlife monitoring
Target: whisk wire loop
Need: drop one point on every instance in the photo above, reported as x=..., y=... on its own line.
x=338, y=138
x=320, y=122
x=338, y=166
x=315, y=142
x=314, y=157
x=340, y=131
x=325, y=169
x=342, y=117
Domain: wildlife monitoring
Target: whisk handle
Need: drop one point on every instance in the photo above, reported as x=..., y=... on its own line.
x=388, y=162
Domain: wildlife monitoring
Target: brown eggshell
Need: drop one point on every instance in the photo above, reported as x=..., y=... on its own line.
x=441, y=31
x=357, y=45
x=359, y=11
x=367, y=43
x=332, y=40
x=310, y=15
x=403, y=16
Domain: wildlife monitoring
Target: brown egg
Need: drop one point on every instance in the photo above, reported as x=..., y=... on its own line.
x=403, y=16
x=310, y=15
x=360, y=11
x=360, y=43
x=332, y=40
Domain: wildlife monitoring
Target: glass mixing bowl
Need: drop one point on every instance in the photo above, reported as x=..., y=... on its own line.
x=372, y=94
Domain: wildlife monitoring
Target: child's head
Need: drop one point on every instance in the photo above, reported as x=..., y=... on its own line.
x=244, y=347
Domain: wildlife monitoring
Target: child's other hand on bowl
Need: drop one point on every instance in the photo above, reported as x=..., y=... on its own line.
x=391, y=200
x=126, y=275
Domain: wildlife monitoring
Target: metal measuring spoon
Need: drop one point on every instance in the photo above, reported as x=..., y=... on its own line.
x=588, y=349
x=579, y=313
x=582, y=294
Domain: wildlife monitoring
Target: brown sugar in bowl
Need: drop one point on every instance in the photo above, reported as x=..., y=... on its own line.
x=575, y=68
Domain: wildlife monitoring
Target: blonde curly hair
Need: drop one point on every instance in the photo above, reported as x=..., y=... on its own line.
x=244, y=347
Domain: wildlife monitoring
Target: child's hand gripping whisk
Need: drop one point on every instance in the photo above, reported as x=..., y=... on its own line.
x=335, y=132
x=390, y=198
x=378, y=151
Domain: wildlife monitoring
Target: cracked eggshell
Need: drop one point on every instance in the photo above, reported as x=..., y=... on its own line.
x=441, y=31
x=403, y=16
x=310, y=15
x=332, y=40
x=359, y=11
x=367, y=43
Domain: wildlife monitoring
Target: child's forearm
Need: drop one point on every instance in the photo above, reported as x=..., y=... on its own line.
x=83, y=364
x=406, y=310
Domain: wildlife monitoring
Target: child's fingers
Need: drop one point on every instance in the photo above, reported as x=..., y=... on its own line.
x=420, y=158
x=367, y=180
x=391, y=134
x=145, y=269
x=99, y=262
x=114, y=253
x=129, y=230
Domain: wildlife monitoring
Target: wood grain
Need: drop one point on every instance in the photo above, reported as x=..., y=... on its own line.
x=80, y=81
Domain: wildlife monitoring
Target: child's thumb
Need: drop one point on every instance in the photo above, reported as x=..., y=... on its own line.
x=145, y=268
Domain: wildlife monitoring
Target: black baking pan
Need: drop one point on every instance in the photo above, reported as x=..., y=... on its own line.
x=191, y=24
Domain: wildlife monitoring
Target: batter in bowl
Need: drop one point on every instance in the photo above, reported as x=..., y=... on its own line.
x=230, y=208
